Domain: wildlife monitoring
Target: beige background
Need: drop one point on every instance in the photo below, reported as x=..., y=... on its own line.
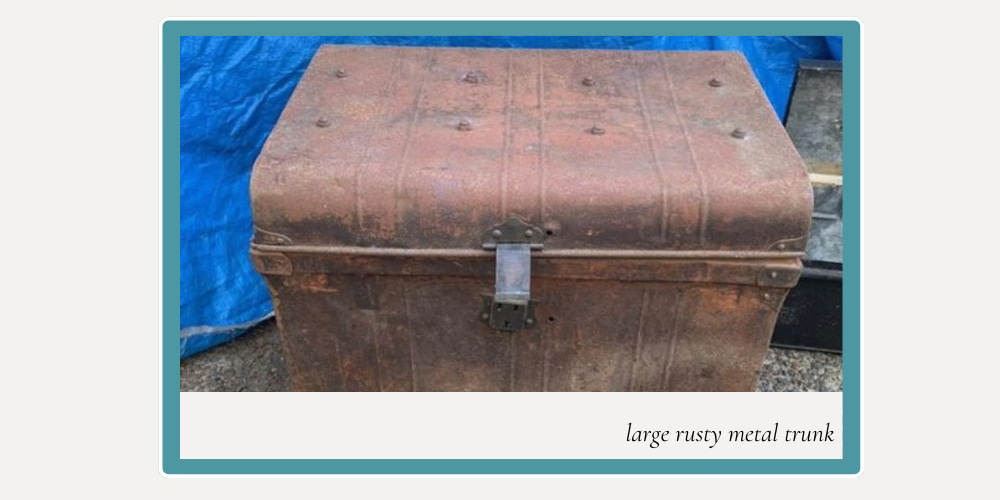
x=80, y=372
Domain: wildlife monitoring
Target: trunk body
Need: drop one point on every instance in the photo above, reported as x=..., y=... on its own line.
x=669, y=212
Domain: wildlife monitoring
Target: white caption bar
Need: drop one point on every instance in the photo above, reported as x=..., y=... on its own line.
x=511, y=425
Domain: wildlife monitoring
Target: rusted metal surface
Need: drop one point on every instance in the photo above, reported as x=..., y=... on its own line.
x=674, y=207
x=393, y=169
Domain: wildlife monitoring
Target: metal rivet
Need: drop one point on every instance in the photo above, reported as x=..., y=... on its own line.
x=738, y=133
x=470, y=78
x=341, y=73
x=715, y=82
x=497, y=233
x=551, y=227
x=774, y=274
x=485, y=316
x=528, y=233
x=588, y=81
x=529, y=321
x=781, y=246
x=464, y=125
x=597, y=130
x=322, y=122
x=767, y=296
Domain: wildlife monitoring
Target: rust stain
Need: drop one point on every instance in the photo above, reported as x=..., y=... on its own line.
x=542, y=212
x=508, y=127
x=638, y=338
x=513, y=356
x=373, y=332
x=672, y=346
x=361, y=168
x=703, y=207
x=339, y=363
x=654, y=151
x=545, y=363
x=411, y=342
x=408, y=140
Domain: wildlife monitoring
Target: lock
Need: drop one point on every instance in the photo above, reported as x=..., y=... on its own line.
x=510, y=308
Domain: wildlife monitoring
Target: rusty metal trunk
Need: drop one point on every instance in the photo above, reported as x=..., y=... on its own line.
x=435, y=219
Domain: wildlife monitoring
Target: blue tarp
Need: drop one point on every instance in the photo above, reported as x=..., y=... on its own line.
x=233, y=90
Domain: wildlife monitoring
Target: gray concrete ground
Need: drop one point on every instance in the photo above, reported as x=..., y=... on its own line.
x=254, y=362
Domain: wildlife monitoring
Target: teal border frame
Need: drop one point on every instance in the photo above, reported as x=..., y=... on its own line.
x=172, y=30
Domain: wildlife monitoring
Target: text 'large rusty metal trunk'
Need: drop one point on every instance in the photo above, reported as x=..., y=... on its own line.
x=437, y=219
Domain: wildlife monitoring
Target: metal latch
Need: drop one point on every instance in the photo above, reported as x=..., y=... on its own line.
x=510, y=308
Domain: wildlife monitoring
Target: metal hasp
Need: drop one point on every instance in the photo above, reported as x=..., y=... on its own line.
x=510, y=308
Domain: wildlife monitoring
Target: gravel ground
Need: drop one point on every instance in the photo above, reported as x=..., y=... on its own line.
x=790, y=370
x=254, y=362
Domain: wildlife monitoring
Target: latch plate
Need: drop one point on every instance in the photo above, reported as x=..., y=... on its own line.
x=508, y=316
x=511, y=308
x=513, y=231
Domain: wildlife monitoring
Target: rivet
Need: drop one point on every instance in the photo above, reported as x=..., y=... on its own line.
x=497, y=233
x=588, y=81
x=781, y=246
x=322, y=123
x=767, y=296
x=597, y=130
x=470, y=78
x=485, y=316
x=738, y=133
x=715, y=82
x=530, y=321
x=464, y=125
x=341, y=73
x=528, y=233
x=774, y=274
